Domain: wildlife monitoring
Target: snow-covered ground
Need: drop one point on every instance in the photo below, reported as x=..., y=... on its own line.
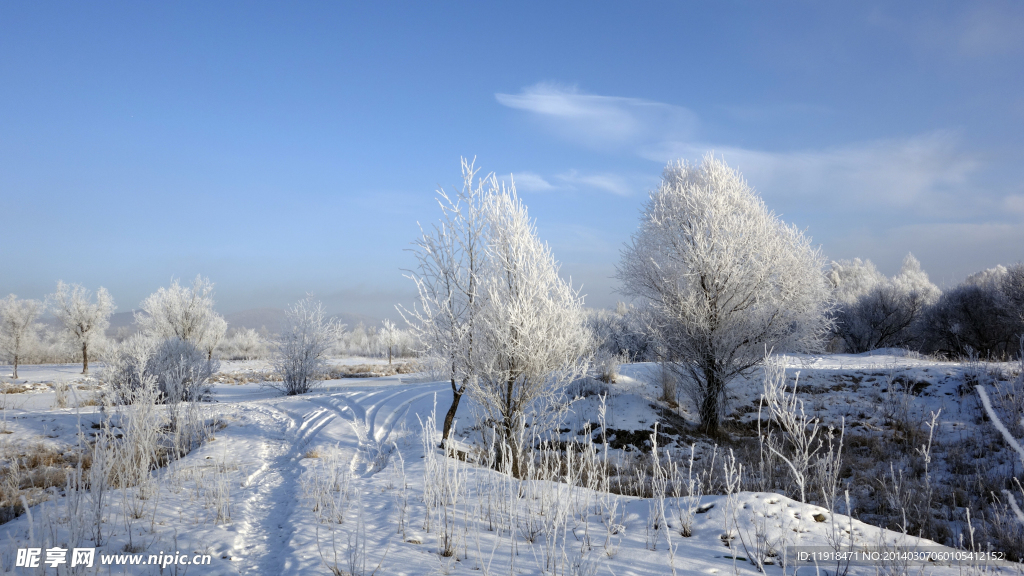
x=338, y=481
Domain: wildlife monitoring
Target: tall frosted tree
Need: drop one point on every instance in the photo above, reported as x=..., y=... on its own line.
x=722, y=279
x=493, y=309
x=83, y=319
x=451, y=256
x=184, y=312
x=18, y=327
x=533, y=335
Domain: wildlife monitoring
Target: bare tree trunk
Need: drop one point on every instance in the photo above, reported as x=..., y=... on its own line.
x=710, y=403
x=514, y=449
x=85, y=358
x=15, y=376
x=449, y=418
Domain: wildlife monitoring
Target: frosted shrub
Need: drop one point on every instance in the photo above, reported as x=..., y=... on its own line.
x=607, y=365
x=178, y=369
x=126, y=367
x=982, y=314
x=182, y=371
x=878, y=312
x=301, y=352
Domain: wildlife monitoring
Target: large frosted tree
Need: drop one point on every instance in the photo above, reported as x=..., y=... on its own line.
x=18, y=327
x=723, y=279
x=184, y=312
x=83, y=319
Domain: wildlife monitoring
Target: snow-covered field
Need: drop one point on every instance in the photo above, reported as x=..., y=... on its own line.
x=342, y=481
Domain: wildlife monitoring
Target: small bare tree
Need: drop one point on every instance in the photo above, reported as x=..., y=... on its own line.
x=18, y=327
x=722, y=278
x=301, y=351
x=84, y=321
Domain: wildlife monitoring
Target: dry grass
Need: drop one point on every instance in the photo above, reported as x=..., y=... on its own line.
x=335, y=373
x=27, y=473
x=11, y=388
x=372, y=370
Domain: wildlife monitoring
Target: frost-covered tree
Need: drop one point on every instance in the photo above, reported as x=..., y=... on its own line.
x=301, y=351
x=722, y=279
x=243, y=344
x=1012, y=287
x=450, y=257
x=621, y=333
x=873, y=311
x=177, y=369
x=531, y=335
x=18, y=327
x=84, y=320
x=982, y=315
x=183, y=312
x=390, y=337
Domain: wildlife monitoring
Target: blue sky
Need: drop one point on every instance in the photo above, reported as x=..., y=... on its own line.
x=288, y=148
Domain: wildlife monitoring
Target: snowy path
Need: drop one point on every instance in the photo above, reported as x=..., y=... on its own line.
x=265, y=534
x=362, y=418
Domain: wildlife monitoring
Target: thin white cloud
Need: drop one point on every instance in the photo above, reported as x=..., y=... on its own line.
x=575, y=180
x=927, y=171
x=614, y=183
x=601, y=121
x=530, y=182
x=1014, y=203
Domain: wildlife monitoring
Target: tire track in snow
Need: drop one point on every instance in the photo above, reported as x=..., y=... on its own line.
x=363, y=409
x=265, y=534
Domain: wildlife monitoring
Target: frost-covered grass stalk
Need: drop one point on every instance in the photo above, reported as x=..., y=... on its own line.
x=445, y=483
x=685, y=504
x=399, y=485
x=328, y=487
x=733, y=477
x=1014, y=443
x=811, y=453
